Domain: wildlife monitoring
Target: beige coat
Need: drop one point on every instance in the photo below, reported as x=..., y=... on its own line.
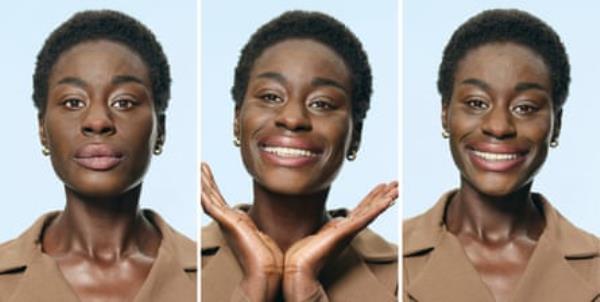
x=564, y=267
x=27, y=274
x=365, y=271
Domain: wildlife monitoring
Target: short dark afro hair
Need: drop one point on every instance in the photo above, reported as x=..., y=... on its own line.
x=507, y=25
x=321, y=28
x=109, y=25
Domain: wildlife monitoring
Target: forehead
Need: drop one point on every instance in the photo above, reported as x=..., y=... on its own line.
x=98, y=60
x=503, y=62
x=302, y=57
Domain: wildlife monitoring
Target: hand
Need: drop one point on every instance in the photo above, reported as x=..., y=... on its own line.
x=305, y=259
x=259, y=256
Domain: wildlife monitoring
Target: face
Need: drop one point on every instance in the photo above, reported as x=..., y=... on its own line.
x=99, y=123
x=500, y=117
x=295, y=122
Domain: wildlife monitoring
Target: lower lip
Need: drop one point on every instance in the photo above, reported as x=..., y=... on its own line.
x=496, y=165
x=101, y=163
x=292, y=162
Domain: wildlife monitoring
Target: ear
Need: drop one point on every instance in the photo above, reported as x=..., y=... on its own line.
x=42, y=130
x=557, y=125
x=445, y=116
x=355, y=140
x=236, y=122
x=161, y=129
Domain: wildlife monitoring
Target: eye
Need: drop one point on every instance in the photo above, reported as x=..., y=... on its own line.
x=321, y=104
x=73, y=103
x=123, y=104
x=271, y=98
x=477, y=104
x=524, y=109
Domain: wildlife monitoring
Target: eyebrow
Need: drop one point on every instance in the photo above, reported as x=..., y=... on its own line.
x=316, y=82
x=520, y=87
x=479, y=83
x=73, y=81
x=328, y=82
x=529, y=85
x=121, y=79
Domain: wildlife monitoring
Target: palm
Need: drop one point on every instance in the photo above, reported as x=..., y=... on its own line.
x=260, y=258
x=305, y=259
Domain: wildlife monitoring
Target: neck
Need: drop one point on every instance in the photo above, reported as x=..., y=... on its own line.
x=288, y=218
x=494, y=218
x=107, y=228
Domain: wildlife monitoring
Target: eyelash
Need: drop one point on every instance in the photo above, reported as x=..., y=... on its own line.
x=321, y=105
x=525, y=109
x=116, y=104
x=68, y=103
x=477, y=104
x=271, y=98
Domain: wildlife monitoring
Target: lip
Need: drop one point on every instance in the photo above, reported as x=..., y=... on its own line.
x=289, y=151
x=98, y=157
x=496, y=157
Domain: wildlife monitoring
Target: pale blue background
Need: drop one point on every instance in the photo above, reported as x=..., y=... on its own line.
x=569, y=178
x=226, y=27
x=27, y=181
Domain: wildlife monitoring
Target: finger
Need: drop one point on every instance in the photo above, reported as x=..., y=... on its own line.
x=209, y=185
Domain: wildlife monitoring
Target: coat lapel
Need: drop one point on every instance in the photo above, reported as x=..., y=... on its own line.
x=221, y=276
x=349, y=279
x=549, y=277
x=43, y=281
x=448, y=276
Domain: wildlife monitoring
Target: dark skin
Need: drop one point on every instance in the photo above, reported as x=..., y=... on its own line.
x=295, y=128
x=501, y=120
x=100, y=126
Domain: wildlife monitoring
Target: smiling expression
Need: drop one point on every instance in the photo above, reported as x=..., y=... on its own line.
x=100, y=124
x=500, y=117
x=295, y=122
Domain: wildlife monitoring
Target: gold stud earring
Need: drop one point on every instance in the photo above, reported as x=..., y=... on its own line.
x=45, y=150
x=352, y=155
x=445, y=134
x=157, y=150
x=236, y=141
x=554, y=143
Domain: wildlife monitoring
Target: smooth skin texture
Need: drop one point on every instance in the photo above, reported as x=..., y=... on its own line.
x=501, y=104
x=298, y=97
x=100, y=95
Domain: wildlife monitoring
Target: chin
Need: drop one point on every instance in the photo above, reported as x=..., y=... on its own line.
x=102, y=187
x=498, y=185
x=292, y=186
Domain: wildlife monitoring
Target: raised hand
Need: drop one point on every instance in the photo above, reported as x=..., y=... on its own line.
x=259, y=256
x=305, y=259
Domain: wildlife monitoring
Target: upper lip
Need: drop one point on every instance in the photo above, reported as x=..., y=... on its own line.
x=98, y=150
x=290, y=142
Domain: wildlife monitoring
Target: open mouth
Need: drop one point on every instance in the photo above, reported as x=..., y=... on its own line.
x=288, y=152
x=502, y=160
x=491, y=156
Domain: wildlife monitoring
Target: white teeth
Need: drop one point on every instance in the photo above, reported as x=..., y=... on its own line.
x=495, y=156
x=289, y=152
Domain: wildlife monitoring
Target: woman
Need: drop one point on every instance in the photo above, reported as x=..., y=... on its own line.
x=302, y=88
x=503, y=79
x=101, y=87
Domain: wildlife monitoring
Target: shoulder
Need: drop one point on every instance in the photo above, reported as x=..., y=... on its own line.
x=180, y=246
x=16, y=255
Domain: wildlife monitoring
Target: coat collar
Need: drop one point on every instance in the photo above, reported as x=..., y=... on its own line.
x=167, y=280
x=449, y=273
x=345, y=278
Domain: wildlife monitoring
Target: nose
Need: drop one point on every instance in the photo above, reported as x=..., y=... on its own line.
x=97, y=121
x=499, y=124
x=293, y=116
